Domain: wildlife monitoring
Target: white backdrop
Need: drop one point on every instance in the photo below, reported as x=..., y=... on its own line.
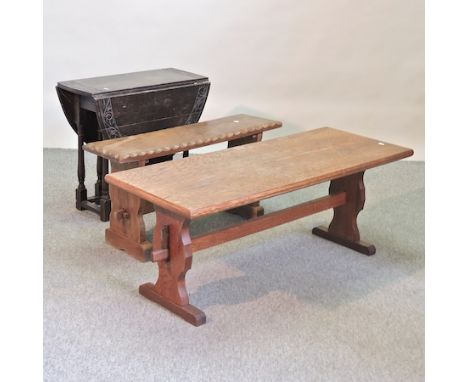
x=355, y=65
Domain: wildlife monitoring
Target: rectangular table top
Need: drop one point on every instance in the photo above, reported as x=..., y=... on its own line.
x=148, y=79
x=209, y=183
x=175, y=139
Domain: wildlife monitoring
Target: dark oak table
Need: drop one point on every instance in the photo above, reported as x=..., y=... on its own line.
x=126, y=104
x=198, y=186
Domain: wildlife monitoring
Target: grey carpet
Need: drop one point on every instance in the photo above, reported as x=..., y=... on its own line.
x=281, y=305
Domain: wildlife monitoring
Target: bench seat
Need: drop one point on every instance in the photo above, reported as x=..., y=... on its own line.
x=165, y=142
x=160, y=146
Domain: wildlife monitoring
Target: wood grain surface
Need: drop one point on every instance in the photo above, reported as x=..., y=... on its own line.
x=169, y=141
x=214, y=182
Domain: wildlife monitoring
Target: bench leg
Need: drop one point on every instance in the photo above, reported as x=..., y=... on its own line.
x=343, y=228
x=127, y=228
x=251, y=210
x=173, y=253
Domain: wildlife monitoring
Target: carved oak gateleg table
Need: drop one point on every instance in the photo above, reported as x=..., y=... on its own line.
x=199, y=186
x=122, y=105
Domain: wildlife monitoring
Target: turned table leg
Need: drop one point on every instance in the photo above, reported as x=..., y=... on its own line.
x=172, y=250
x=81, y=194
x=251, y=210
x=98, y=184
x=343, y=228
x=104, y=200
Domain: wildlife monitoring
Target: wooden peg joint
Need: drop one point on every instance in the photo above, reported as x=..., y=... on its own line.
x=122, y=214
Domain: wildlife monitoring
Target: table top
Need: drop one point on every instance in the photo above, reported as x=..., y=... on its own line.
x=209, y=183
x=138, y=80
x=175, y=139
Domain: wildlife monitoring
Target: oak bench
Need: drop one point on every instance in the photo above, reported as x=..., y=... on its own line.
x=184, y=190
x=159, y=146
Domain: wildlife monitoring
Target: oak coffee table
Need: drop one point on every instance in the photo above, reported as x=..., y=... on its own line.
x=184, y=190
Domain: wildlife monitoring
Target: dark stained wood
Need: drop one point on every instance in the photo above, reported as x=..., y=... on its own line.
x=214, y=182
x=123, y=83
x=81, y=194
x=268, y=221
x=118, y=104
x=125, y=104
x=104, y=199
x=99, y=182
x=137, y=113
x=156, y=144
x=90, y=205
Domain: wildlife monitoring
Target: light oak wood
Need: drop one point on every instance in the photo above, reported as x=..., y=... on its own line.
x=233, y=128
x=182, y=138
x=126, y=226
x=251, y=210
x=252, y=226
x=172, y=233
x=343, y=228
x=267, y=221
x=226, y=179
x=187, y=189
x=188, y=312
